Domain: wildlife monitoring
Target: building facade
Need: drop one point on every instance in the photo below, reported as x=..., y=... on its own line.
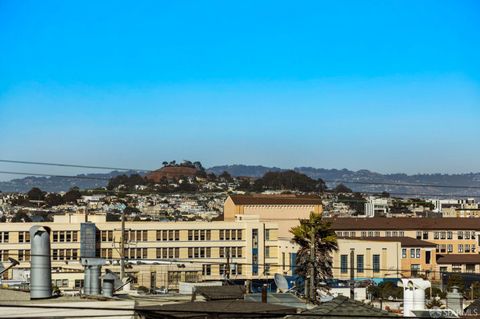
x=284, y=210
x=245, y=248
x=383, y=257
x=451, y=235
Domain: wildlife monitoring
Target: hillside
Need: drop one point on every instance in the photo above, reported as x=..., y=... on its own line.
x=60, y=184
x=332, y=177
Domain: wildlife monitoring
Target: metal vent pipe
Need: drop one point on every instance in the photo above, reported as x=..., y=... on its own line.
x=95, y=280
x=108, y=284
x=40, y=264
x=86, y=281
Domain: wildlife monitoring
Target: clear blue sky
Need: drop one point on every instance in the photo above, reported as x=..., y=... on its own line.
x=390, y=86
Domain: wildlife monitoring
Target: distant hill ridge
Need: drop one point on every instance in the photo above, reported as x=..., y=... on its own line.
x=336, y=176
x=332, y=176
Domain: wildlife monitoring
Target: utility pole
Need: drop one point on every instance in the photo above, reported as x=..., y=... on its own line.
x=227, y=270
x=312, y=266
x=122, y=248
x=352, y=274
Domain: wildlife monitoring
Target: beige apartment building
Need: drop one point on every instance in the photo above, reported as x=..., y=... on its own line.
x=461, y=212
x=250, y=247
x=284, y=209
x=385, y=257
x=451, y=235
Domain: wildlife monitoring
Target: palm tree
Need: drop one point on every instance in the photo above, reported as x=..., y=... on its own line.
x=319, y=232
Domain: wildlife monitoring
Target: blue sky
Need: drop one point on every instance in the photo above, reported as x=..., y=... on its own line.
x=390, y=86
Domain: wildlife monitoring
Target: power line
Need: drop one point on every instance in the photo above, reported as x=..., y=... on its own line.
x=107, y=179
x=71, y=165
x=210, y=262
x=149, y=170
x=401, y=184
x=54, y=175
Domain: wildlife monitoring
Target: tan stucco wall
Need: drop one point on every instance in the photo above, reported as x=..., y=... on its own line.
x=390, y=258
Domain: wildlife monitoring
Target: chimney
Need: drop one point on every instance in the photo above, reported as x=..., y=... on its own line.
x=41, y=269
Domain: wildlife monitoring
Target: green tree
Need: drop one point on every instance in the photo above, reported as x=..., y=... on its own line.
x=456, y=280
x=318, y=233
x=72, y=195
x=21, y=217
x=112, y=217
x=54, y=199
x=131, y=210
x=435, y=291
x=473, y=291
x=36, y=194
x=211, y=177
x=340, y=188
x=289, y=180
x=244, y=185
x=225, y=176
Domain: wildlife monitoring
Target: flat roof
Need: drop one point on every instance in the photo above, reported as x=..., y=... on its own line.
x=282, y=199
x=458, y=259
x=404, y=241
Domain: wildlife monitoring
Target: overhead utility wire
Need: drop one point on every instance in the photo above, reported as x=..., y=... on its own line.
x=149, y=170
x=54, y=175
x=107, y=179
x=199, y=262
x=401, y=184
x=70, y=165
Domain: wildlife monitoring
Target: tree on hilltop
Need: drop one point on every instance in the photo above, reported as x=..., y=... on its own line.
x=36, y=194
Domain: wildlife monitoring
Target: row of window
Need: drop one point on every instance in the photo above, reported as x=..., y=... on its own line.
x=200, y=252
x=230, y=234
x=168, y=252
x=133, y=253
x=65, y=236
x=235, y=252
x=458, y=268
x=235, y=269
x=174, y=235
x=200, y=234
x=462, y=248
x=371, y=234
x=136, y=235
x=170, y=235
x=449, y=235
x=136, y=253
x=360, y=267
x=420, y=234
x=64, y=254
x=414, y=253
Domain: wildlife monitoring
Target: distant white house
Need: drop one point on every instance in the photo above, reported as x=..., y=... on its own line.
x=376, y=207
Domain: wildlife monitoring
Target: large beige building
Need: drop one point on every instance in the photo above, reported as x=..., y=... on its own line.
x=244, y=248
x=451, y=235
x=384, y=257
x=285, y=209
